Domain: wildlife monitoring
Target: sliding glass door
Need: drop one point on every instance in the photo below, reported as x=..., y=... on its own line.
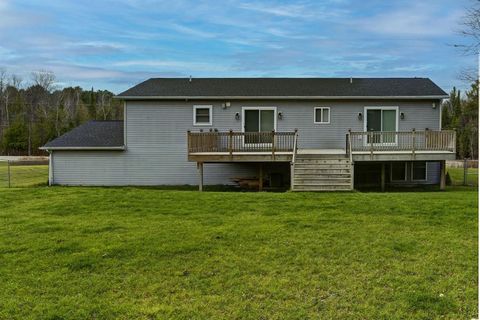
x=256, y=121
x=381, y=120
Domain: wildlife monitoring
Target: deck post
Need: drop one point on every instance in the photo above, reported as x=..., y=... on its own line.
x=371, y=145
x=442, y=175
x=230, y=143
x=273, y=144
x=413, y=143
x=383, y=177
x=200, y=176
x=260, y=176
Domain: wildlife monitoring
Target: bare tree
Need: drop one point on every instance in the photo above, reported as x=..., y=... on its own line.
x=471, y=32
x=45, y=79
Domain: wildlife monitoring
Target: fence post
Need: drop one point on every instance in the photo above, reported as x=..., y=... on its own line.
x=8, y=172
x=465, y=171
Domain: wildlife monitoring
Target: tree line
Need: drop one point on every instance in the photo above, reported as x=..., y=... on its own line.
x=460, y=113
x=32, y=114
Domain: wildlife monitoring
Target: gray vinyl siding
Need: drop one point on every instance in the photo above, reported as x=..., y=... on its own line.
x=156, y=143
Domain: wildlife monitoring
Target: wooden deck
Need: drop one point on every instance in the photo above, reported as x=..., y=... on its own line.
x=317, y=166
x=402, y=145
x=241, y=146
x=359, y=146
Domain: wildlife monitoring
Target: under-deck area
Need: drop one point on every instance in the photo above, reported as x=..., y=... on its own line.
x=317, y=169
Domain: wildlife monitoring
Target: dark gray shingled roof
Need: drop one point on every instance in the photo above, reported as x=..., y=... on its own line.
x=92, y=134
x=284, y=87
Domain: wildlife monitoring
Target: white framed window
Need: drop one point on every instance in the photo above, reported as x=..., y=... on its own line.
x=202, y=115
x=419, y=171
x=398, y=171
x=321, y=115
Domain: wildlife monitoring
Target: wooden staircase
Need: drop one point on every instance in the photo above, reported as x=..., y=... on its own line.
x=318, y=172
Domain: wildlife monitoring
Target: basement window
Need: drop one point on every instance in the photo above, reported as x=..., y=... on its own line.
x=398, y=171
x=419, y=171
x=202, y=115
x=322, y=115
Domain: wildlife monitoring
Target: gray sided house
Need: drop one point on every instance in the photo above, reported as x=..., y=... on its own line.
x=303, y=133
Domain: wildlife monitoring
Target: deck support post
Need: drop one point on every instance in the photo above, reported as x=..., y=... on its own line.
x=260, y=176
x=383, y=177
x=442, y=175
x=200, y=176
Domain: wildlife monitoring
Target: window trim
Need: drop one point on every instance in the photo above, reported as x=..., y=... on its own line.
x=391, y=172
x=426, y=171
x=210, y=115
x=315, y=115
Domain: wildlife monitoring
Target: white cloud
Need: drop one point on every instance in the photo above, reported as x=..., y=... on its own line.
x=416, y=20
x=292, y=10
x=186, y=66
x=190, y=31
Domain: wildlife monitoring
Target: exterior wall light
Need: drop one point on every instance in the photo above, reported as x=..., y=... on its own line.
x=280, y=115
x=360, y=116
x=237, y=116
x=402, y=115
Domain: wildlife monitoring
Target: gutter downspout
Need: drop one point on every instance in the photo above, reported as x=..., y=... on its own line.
x=50, y=168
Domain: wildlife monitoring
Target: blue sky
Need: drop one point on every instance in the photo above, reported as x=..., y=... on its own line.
x=116, y=44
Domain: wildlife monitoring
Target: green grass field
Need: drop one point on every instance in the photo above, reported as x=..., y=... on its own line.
x=23, y=176
x=144, y=253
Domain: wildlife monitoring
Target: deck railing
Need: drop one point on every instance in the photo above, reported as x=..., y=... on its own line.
x=413, y=141
x=234, y=142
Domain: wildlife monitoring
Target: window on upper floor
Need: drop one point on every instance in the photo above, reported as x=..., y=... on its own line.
x=321, y=115
x=202, y=115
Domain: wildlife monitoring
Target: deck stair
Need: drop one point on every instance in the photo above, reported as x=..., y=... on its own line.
x=317, y=172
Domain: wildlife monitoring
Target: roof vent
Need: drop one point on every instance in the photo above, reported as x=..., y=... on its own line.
x=190, y=78
x=351, y=80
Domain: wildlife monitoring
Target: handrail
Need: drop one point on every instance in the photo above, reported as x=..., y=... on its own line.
x=350, y=146
x=292, y=164
x=233, y=142
x=294, y=155
x=411, y=141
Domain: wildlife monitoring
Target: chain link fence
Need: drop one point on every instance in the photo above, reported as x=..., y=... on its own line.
x=17, y=174
x=463, y=172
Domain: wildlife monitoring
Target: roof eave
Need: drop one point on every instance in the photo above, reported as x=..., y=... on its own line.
x=424, y=97
x=119, y=148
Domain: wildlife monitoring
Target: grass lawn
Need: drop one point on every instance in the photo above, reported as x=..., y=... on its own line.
x=23, y=176
x=128, y=253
